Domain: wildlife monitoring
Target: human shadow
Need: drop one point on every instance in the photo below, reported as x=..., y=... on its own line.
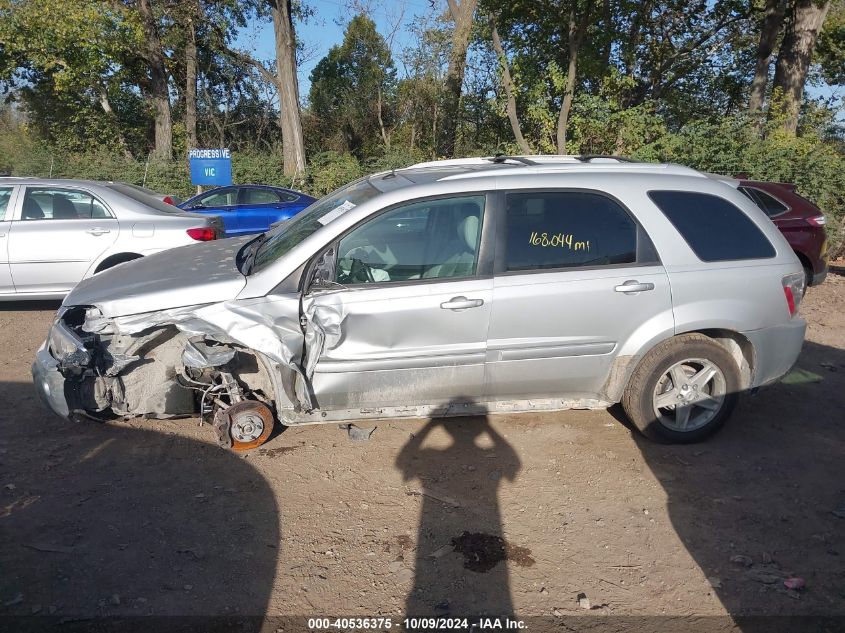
x=763, y=501
x=104, y=522
x=462, y=556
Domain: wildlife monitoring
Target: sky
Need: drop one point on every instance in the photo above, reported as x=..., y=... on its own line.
x=325, y=29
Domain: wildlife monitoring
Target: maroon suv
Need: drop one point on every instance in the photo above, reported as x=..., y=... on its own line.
x=800, y=221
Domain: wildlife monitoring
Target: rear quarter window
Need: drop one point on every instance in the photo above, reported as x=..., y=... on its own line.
x=714, y=228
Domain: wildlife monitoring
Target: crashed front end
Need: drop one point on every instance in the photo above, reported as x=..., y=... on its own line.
x=214, y=360
x=107, y=374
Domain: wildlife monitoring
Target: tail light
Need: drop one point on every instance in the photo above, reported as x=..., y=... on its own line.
x=204, y=234
x=793, y=291
x=818, y=220
x=168, y=200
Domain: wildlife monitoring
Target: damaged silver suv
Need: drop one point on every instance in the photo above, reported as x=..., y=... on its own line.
x=456, y=287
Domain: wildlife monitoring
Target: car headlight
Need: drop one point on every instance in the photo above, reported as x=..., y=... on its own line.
x=66, y=347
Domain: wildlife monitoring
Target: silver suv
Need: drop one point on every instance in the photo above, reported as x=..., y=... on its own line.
x=450, y=288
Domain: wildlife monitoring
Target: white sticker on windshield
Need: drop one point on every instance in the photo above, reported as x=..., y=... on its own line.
x=336, y=212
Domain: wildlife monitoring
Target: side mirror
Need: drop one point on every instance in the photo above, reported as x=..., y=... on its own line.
x=323, y=271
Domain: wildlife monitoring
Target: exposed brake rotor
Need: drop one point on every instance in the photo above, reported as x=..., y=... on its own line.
x=244, y=425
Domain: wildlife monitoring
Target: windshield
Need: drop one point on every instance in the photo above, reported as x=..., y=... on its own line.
x=284, y=237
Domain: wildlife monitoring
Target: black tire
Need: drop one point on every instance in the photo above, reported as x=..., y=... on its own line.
x=638, y=398
x=808, y=278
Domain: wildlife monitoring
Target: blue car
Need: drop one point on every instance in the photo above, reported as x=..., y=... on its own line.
x=248, y=209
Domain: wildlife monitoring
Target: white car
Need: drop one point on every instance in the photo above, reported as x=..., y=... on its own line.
x=55, y=233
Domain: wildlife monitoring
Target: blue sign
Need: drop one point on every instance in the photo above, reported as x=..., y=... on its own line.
x=210, y=166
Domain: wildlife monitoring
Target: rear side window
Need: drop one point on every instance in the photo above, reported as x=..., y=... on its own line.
x=565, y=229
x=770, y=205
x=714, y=228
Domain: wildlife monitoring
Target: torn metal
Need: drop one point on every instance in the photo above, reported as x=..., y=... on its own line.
x=201, y=358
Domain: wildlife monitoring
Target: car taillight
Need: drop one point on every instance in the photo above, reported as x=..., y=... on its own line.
x=818, y=220
x=793, y=291
x=203, y=235
x=168, y=200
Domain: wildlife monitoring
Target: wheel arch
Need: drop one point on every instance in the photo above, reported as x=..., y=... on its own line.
x=115, y=259
x=740, y=348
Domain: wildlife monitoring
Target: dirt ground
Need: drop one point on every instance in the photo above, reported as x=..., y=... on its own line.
x=506, y=514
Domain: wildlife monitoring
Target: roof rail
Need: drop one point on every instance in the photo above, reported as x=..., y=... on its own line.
x=586, y=158
x=500, y=158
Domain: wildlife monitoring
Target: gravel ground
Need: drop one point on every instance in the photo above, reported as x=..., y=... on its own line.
x=511, y=513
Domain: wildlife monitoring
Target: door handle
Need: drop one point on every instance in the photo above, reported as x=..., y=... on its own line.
x=632, y=286
x=98, y=231
x=461, y=303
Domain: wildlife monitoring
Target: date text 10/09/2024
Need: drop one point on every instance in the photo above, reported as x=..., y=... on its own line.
x=417, y=624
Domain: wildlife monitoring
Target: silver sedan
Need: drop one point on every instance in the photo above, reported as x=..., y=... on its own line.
x=55, y=233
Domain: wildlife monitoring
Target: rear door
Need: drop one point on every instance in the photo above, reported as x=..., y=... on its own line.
x=414, y=294
x=56, y=236
x=7, y=195
x=256, y=208
x=576, y=278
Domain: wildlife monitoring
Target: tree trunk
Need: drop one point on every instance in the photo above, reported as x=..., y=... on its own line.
x=796, y=52
x=191, y=86
x=508, y=83
x=157, y=87
x=769, y=29
x=105, y=104
x=577, y=28
x=293, y=146
x=462, y=15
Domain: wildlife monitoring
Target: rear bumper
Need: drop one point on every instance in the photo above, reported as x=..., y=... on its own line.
x=776, y=349
x=49, y=382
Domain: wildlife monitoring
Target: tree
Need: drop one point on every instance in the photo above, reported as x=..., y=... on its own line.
x=580, y=14
x=794, y=57
x=353, y=91
x=462, y=15
x=769, y=30
x=508, y=85
x=64, y=52
x=293, y=146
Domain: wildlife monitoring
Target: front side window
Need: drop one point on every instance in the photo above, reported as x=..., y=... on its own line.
x=260, y=196
x=226, y=197
x=61, y=204
x=713, y=228
x=432, y=239
x=567, y=229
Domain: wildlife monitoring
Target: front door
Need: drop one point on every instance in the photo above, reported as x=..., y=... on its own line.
x=222, y=202
x=576, y=280
x=414, y=298
x=56, y=236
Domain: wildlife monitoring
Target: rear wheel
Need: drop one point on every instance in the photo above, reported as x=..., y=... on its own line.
x=683, y=390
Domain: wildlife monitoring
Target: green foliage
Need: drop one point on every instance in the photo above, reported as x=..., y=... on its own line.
x=353, y=91
x=737, y=146
x=329, y=170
